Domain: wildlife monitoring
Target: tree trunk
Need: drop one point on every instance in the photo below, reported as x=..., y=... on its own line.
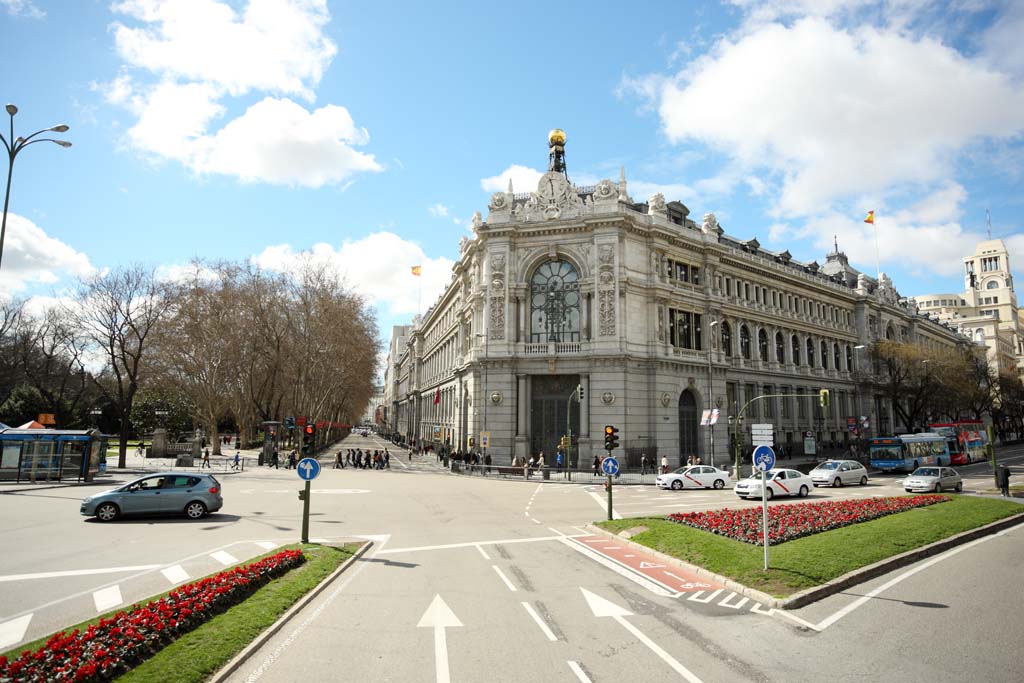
x=122, y=450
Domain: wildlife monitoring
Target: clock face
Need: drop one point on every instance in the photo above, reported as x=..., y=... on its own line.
x=552, y=185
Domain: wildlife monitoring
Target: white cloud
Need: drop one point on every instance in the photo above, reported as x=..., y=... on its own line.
x=379, y=266
x=524, y=179
x=438, y=210
x=187, y=58
x=22, y=8
x=836, y=113
x=31, y=257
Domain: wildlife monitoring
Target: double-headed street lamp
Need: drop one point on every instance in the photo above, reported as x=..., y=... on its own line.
x=15, y=145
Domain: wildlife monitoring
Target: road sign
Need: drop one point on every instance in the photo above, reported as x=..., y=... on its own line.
x=714, y=416
x=705, y=418
x=308, y=469
x=610, y=466
x=762, y=434
x=485, y=439
x=300, y=421
x=764, y=458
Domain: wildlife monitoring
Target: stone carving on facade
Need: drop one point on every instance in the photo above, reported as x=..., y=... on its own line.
x=710, y=225
x=656, y=205
x=605, y=190
x=478, y=220
x=661, y=323
x=584, y=250
x=862, y=283
x=607, y=255
x=496, y=298
x=463, y=244
x=606, y=290
x=499, y=202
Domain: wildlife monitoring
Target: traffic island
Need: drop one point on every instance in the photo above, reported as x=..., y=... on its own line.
x=191, y=632
x=811, y=567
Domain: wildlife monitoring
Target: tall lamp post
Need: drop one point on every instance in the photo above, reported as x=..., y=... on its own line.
x=15, y=145
x=711, y=387
x=483, y=394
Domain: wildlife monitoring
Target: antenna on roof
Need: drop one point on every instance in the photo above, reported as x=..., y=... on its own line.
x=988, y=223
x=835, y=241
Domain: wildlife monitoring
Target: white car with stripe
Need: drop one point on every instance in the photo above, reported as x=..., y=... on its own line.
x=780, y=483
x=694, y=477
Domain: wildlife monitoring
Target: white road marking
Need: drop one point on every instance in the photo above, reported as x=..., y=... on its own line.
x=482, y=551
x=439, y=617
x=175, y=574
x=603, y=502
x=605, y=608
x=643, y=565
x=540, y=622
x=535, y=521
x=224, y=558
x=267, y=545
x=320, y=540
x=504, y=578
x=555, y=531
x=449, y=546
x=629, y=555
x=580, y=675
x=12, y=632
x=107, y=598
x=694, y=598
x=725, y=601
x=620, y=569
x=77, y=572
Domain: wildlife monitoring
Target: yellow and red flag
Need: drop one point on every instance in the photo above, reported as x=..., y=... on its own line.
x=417, y=270
x=870, y=218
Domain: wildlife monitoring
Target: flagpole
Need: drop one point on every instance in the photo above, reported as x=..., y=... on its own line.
x=878, y=263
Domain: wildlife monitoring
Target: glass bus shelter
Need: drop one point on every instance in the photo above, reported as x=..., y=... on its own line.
x=44, y=455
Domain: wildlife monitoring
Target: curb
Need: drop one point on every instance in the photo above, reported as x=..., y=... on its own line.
x=837, y=584
x=249, y=650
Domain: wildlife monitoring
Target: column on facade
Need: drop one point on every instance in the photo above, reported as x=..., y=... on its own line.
x=522, y=406
x=585, y=407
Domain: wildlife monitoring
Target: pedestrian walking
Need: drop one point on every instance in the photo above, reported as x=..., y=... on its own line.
x=206, y=459
x=597, y=464
x=664, y=464
x=275, y=459
x=1003, y=479
x=234, y=463
x=338, y=464
x=291, y=460
x=387, y=459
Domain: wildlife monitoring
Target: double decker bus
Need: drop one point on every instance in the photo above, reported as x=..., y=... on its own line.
x=907, y=452
x=965, y=439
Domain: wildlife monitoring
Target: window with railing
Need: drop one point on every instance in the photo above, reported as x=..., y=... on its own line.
x=727, y=340
x=762, y=345
x=810, y=352
x=555, y=303
x=745, y=342
x=780, y=348
x=795, y=344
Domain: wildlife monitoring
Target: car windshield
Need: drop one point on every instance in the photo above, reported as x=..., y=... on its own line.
x=683, y=469
x=828, y=465
x=925, y=472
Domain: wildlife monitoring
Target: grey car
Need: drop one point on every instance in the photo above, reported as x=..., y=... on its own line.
x=933, y=479
x=166, y=493
x=839, y=473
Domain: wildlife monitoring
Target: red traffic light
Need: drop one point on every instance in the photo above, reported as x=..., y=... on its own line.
x=309, y=429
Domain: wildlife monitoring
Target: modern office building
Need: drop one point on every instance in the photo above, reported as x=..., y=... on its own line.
x=656, y=316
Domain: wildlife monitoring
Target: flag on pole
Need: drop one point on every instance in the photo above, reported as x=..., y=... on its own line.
x=870, y=218
x=417, y=270
x=437, y=396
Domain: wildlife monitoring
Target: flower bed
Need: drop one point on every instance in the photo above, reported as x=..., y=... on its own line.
x=786, y=522
x=116, y=644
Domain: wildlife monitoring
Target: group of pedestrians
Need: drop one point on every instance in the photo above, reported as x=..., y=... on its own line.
x=360, y=459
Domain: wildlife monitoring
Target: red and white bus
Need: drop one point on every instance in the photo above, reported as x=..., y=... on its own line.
x=967, y=440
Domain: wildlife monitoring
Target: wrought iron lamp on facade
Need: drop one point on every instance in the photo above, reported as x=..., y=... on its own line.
x=13, y=147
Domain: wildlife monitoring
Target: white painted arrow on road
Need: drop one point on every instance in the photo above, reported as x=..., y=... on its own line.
x=439, y=617
x=605, y=608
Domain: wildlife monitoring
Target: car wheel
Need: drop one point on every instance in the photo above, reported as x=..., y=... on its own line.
x=803, y=491
x=864, y=480
x=959, y=486
x=195, y=510
x=107, y=512
x=771, y=493
x=838, y=483
x=676, y=484
x=938, y=488
x=719, y=484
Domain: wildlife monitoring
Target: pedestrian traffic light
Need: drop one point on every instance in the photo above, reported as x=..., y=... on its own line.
x=611, y=437
x=579, y=393
x=823, y=398
x=308, y=439
x=289, y=423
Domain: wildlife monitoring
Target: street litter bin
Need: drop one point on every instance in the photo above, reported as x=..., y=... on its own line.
x=547, y=474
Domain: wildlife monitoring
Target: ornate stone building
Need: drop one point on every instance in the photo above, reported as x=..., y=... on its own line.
x=657, y=317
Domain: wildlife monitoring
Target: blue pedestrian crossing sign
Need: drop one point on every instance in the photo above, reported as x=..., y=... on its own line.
x=610, y=466
x=308, y=468
x=764, y=458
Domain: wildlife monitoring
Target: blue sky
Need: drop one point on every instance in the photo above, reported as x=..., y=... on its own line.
x=369, y=133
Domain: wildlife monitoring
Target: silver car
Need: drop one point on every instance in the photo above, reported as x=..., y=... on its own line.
x=935, y=479
x=839, y=473
x=167, y=493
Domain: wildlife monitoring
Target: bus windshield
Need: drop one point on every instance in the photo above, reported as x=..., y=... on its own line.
x=886, y=453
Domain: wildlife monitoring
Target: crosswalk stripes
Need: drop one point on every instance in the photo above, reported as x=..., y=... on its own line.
x=224, y=558
x=725, y=601
x=107, y=598
x=267, y=545
x=696, y=596
x=13, y=632
x=175, y=574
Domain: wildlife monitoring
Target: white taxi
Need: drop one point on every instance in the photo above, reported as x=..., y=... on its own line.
x=780, y=483
x=694, y=477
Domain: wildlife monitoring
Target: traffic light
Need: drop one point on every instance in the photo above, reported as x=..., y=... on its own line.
x=308, y=439
x=579, y=393
x=289, y=423
x=302, y=494
x=611, y=437
x=563, y=442
x=823, y=398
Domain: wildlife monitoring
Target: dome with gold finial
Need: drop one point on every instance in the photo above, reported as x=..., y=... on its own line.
x=556, y=137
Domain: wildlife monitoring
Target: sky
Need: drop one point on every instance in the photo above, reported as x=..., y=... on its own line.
x=368, y=133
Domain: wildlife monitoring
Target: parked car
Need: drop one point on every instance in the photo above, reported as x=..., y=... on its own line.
x=839, y=473
x=935, y=479
x=780, y=483
x=694, y=477
x=171, y=493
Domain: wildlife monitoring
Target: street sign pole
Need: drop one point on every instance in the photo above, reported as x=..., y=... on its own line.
x=609, y=497
x=305, y=515
x=763, y=460
x=764, y=515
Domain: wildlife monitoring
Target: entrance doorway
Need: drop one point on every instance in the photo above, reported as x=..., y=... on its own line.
x=689, y=418
x=549, y=396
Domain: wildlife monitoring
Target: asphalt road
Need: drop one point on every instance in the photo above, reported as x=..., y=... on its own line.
x=496, y=580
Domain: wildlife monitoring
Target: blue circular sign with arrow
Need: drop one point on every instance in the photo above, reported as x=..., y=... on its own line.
x=610, y=466
x=308, y=468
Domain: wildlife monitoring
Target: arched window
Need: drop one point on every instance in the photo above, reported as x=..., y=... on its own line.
x=727, y=340
x=992, y=284
x=795, y=343
x=780, y=348
x=555, y=303
x=744, y=341
x=810, y=352
x=890, y=333
x=836, y=358
x=979, y=335
x=824, y=354
x=849, y=358
x=762, y=345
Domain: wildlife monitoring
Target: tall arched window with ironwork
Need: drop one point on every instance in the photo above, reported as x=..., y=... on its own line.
x=762, y=345
x=555, y=303
x=810, y=352
x=795, y=343
x=726, y=340
x=744, y=342
x=780, y=349
x=824, y=354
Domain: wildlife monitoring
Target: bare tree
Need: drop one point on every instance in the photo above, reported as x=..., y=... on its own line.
x=119, y=311
x=50, y=350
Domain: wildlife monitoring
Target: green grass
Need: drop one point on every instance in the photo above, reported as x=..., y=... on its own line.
x=196, y=655
x=813, y=560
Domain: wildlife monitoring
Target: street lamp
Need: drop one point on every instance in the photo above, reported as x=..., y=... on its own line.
x=483, y=394
x=14, y=146
x=711, y=387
